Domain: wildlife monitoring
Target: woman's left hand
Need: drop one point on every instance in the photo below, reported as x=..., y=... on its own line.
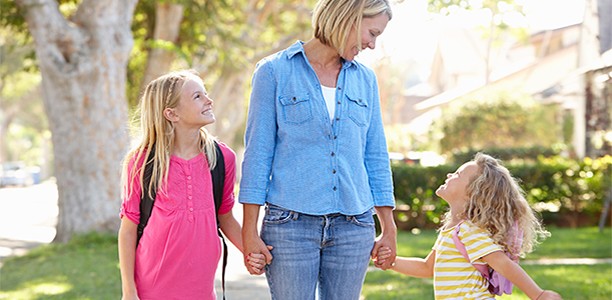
x=388, y=238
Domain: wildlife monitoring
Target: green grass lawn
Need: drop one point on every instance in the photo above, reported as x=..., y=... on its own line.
x=571, y=281
x=87, y=268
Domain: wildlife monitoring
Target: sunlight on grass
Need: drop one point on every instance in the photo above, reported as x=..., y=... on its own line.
x=37, y=290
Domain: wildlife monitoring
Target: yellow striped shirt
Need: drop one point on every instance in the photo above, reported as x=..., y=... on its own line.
x=454, y=276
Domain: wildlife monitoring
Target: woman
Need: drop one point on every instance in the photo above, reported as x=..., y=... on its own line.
x=316, y=157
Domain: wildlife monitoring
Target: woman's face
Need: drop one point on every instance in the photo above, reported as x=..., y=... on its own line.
x=371, y=28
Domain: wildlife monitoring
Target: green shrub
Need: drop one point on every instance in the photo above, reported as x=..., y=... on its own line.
x=566, y=192
x=506, y=154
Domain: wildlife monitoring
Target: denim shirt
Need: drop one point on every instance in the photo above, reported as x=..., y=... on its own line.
x=296, y=157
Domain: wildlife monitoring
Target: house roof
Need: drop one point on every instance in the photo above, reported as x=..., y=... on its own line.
x=534, y=78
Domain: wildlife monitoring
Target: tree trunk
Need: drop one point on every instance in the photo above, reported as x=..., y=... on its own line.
x=229, y=102
x=83, y=63
x=5, y=123
x=168, y=18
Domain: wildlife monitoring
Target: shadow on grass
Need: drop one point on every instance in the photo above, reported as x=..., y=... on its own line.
x=85, y=268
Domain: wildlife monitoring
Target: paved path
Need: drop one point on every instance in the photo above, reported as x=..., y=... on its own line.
x=28, y=217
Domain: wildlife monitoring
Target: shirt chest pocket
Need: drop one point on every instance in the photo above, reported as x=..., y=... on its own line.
x=296, y=109
x=358, y=110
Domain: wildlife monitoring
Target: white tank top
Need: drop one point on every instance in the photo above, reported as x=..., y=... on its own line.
x=329, y=94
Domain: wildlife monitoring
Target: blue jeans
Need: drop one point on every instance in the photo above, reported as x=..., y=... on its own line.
x=329, y=253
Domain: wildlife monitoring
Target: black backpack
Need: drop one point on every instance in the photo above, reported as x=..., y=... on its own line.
x=218, y=181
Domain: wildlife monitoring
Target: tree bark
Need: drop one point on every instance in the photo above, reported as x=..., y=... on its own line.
x=83, y=62
x=168, y=18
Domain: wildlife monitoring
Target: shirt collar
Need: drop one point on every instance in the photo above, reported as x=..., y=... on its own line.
x=298, y=47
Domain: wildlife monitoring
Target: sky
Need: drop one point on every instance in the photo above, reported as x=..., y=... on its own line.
x=412, y=33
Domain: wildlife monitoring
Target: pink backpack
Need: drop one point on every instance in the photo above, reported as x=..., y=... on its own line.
x=498, y=284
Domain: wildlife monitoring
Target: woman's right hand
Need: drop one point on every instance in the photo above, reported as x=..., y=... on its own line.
x=256, y=262
x=256, y=254
x=252, y=244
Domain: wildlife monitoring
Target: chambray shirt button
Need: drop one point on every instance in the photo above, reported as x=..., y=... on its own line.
x=333, y=154
x=335, y=188
x=335, y=137
x=338, y=102
x=339, y=88
x=334, y=171
x=337, y=118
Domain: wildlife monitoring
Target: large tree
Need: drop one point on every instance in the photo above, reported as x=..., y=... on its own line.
x=221, y=39
x=83, y=62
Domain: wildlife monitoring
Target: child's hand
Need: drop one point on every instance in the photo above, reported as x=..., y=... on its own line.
x=256, y=262
x=384, y=253
x=550, y=295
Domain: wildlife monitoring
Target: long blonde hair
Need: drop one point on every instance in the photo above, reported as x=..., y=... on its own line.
x=332, y=20
x=497, y=203
x=158, y=133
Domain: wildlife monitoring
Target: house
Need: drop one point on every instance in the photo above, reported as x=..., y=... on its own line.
x=570, y=66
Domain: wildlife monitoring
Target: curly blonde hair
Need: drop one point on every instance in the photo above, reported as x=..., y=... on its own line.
x=496, y=202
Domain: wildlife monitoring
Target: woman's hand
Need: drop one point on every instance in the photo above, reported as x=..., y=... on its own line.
x=383, y=255
x=256, y=262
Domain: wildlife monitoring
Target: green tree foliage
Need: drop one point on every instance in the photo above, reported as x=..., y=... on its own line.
x=19, y=94
x=497, y=120
x=220, y=37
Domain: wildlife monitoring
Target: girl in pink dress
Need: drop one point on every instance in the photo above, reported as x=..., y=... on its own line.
x=178, y=253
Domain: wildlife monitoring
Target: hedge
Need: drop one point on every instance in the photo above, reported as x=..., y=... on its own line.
x=566, y=192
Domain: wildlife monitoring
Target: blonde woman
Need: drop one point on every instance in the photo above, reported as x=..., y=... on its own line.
x=494, y=217
x=178, y=253
x=316, y=158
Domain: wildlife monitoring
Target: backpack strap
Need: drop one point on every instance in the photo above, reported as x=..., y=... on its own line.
x=218, y=183
x=146, y=199
x=483, y=269
x=218, y=180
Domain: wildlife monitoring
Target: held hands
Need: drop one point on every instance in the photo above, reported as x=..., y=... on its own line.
x=256, y=262
x=384, y=256
x=387, y=244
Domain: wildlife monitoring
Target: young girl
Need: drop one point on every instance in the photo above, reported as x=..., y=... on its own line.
x=178, y=254
x=489, y=206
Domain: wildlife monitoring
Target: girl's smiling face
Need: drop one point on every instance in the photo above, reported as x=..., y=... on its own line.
x=456, y=184
x=195, y=106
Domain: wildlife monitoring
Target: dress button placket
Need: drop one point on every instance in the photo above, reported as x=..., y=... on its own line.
x=189, y=197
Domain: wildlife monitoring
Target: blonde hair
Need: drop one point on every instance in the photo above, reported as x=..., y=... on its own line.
x=497, y=203
x=158, y=133
x=332, y=20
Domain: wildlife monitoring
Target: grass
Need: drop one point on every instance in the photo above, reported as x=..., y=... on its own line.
x=563, y=243
x=571, y=281
x=87, y=268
